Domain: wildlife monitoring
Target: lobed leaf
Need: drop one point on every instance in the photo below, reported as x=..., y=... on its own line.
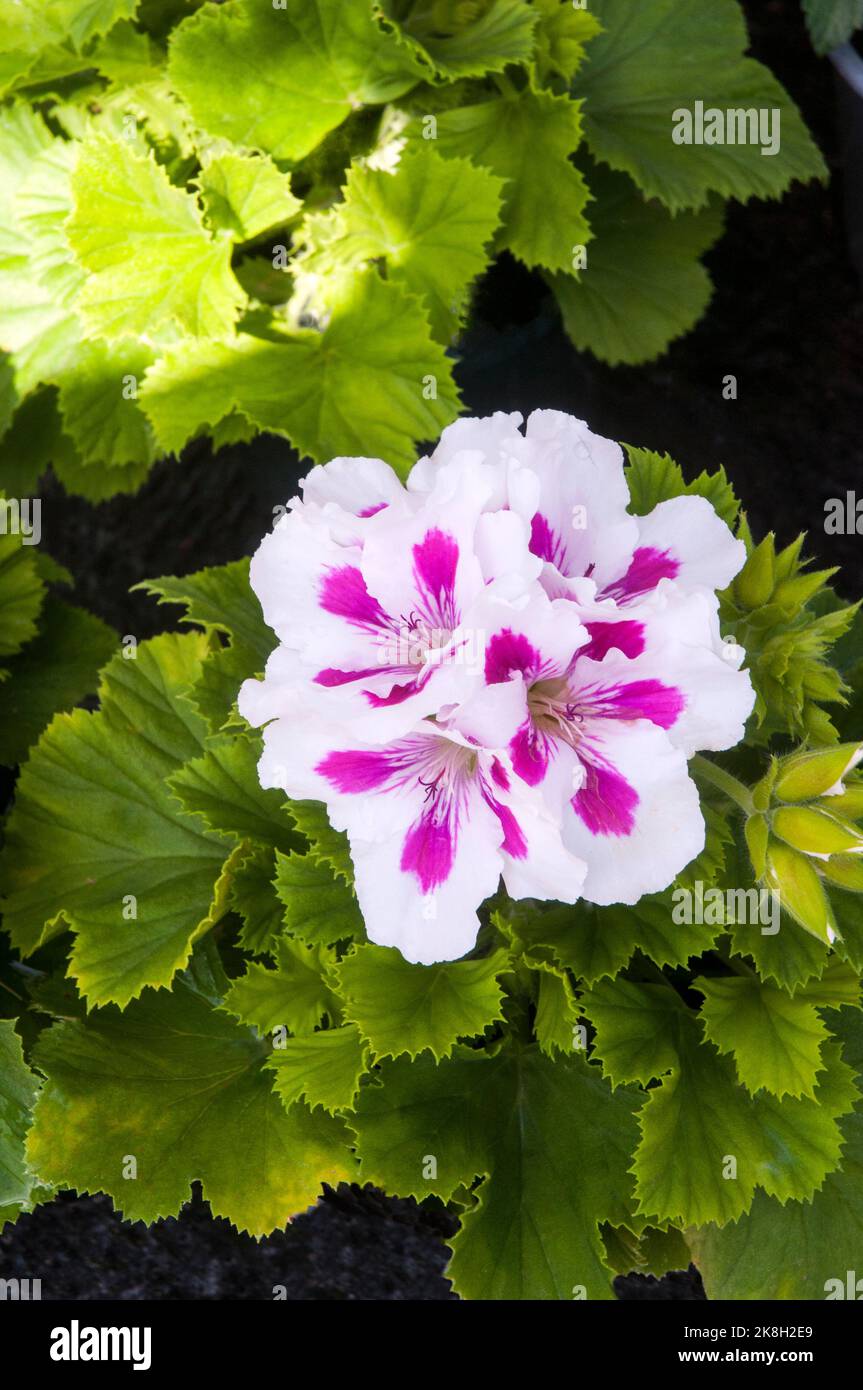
x=180, y=1089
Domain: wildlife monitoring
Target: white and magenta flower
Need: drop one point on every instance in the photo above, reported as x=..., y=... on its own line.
x=496, y=672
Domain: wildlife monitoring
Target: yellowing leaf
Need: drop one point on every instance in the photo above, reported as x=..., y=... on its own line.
x=178, y=1090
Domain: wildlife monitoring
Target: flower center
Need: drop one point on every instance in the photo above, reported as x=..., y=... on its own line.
x=418, y=639
x=553, y=710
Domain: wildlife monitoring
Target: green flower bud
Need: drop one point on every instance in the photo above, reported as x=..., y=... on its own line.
x=792, y=594
x=845, y=870
x=757, y=834
x=813, y=832
x=848, y=804
x=801, y=893
x=804, y=776
x=788, y=560
x=763, y=790
x=754, y=584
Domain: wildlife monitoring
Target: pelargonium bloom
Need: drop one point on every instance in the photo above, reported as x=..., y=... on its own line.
x=496, y=671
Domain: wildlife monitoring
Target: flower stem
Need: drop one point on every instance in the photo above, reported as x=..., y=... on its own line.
x=724, y=781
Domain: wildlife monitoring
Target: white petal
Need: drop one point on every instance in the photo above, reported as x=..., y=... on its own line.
x=548, y=870
x=683, y=650
x=503, y=550
x=668, y=828
x=438, y=925
x=355, y=484
x=688, y=528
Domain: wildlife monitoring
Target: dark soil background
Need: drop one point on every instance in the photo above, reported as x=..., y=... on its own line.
x=787, y=321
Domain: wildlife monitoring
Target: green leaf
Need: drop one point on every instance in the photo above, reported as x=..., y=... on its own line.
x=795, y=1250
x=151, y=261
x=326, y=845
x=527, y=138
x=92, y=481
x=53, y=672
x=551, y=1141
x=643, y=284
x=706, y=1144
x=430, y=221
x=662, y=1251
x=221, y=599
x=180, y=1088
x=840, y=984
x=496, y=34
x=253, y=896
x=99, y=403
x=22, y=592
x=556, y=1012
x=34, y=24
x=293, y=73
x=636, y=1028
x=222, y=787
x=323, y=1068
x=214, y=693
x=849, y=917
x=790, y=956
x=33, y=442
x=562, y=36
x=8, y=401
x=319, y=908
x=653, y=60
x=594, y=942
x=96, y=836
x=402, y=1008
x=775, y=1038
x=295, y=995
x=710, y=863
x=371, y=383
x=653, y=478
x=43, y=204
x=38, y=277
x=18, y=1091
x=246, y=194
x=126, y=56
x=832, y=22
x=24, y=136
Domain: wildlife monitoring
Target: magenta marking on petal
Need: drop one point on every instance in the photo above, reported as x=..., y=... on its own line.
x=357, y=769
x=513, y=843
x=499, y=775
x=546, y=543
x=606, y=803
x=529, y=753
x=331, y=676
x=397, y=695
x=429, y=851
x=509, y=651
x=626, y=637
x=373, y=511
x=661, y=704
x=647, y=567
x=435, y=564
x=343, y=593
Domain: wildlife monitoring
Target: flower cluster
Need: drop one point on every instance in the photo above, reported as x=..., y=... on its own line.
x=804, y=835
x=496, y=671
